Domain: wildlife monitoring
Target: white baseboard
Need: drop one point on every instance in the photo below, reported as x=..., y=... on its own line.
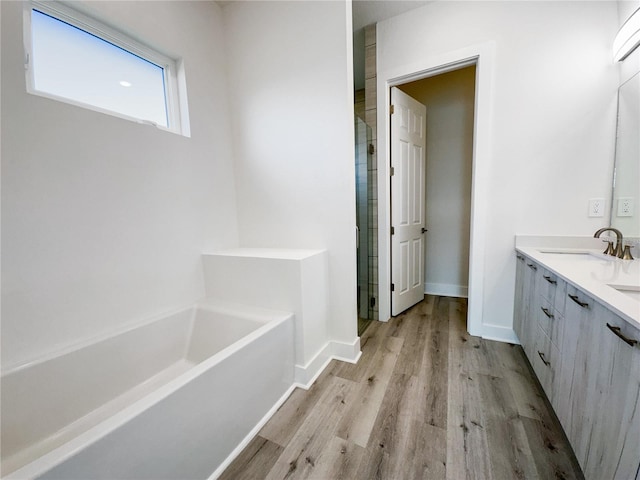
x=305, y=375
x=446, y=290
x=500, y=334
x=346, y=352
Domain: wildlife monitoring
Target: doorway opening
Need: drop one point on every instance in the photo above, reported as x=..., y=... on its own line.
x=483, y=57
x=441, y=253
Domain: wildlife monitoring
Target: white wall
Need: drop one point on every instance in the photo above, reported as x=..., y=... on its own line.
x=449, y=98
x=552, y=121
x=104, y=220
x=291, y=91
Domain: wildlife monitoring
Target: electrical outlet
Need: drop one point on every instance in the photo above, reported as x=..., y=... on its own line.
x=625, y=207
x=596, y=207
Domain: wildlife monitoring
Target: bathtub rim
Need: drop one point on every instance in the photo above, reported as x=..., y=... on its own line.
x=51, y=459
x=212, y=304
x=87, y=342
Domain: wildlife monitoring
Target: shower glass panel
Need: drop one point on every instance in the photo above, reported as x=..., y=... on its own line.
x=365, y=185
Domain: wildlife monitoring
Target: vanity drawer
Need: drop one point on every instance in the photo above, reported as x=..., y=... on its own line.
x=550, y=321
x=553, y=288
x=546, y=362
x=548, y=285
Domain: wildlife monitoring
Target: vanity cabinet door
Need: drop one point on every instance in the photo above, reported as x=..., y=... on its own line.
x=598, y=389
x=614, y=450
x=575, y=406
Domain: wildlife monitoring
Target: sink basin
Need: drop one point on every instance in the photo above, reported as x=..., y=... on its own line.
x=632, y=291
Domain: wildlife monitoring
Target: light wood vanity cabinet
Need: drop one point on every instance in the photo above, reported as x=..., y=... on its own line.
x=537, y=320
x=588, y=369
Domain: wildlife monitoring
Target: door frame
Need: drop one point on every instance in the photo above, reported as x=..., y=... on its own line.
x=483, y=57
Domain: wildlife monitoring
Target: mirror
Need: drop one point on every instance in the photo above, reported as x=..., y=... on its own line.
x=625, y=210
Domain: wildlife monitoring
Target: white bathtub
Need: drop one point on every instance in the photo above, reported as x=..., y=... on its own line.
x=169, y=399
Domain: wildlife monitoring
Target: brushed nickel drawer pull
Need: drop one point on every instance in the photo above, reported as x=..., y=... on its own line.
x=575, y=299
x=547, y=312
x=627, y=340
x=548, y=279
x=532, y=266
x=548, y=364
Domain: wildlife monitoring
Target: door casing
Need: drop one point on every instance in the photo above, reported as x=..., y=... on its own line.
x=483, y=57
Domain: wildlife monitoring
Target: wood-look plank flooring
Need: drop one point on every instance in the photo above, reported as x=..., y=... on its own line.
x=363, y=323
x=425, y=401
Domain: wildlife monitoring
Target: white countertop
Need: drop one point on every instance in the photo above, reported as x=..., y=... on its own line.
x=590, y=271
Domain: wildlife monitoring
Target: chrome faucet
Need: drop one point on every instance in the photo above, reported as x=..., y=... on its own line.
x=618, y=250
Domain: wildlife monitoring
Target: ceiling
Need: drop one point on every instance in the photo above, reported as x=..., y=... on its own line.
x=367, y=12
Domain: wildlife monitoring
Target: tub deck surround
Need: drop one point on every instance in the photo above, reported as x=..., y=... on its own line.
x=205, y=377
x=593, y=273
x=294, y=280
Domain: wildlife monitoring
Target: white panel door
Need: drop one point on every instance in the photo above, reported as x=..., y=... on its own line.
x=408, y=145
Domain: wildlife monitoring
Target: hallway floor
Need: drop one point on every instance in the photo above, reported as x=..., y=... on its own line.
x=426, y=400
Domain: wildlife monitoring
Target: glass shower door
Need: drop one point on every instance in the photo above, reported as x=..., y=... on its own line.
x=366, y=231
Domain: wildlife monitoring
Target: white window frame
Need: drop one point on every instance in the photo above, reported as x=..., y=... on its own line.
x=174, y=75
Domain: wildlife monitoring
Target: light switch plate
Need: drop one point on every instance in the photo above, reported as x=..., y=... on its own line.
x=596, y=207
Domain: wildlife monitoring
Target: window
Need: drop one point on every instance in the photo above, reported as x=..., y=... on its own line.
x=78, y=60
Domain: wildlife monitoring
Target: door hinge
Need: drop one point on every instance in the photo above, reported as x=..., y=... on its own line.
x=391, y=172
x=393, y=287
x=371, y=149
x=391, y=109
x=393, y=231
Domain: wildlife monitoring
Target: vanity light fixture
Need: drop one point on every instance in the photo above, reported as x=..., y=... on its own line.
x=628, y=37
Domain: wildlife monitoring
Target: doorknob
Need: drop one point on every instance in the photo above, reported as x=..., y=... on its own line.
x=424, y=230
